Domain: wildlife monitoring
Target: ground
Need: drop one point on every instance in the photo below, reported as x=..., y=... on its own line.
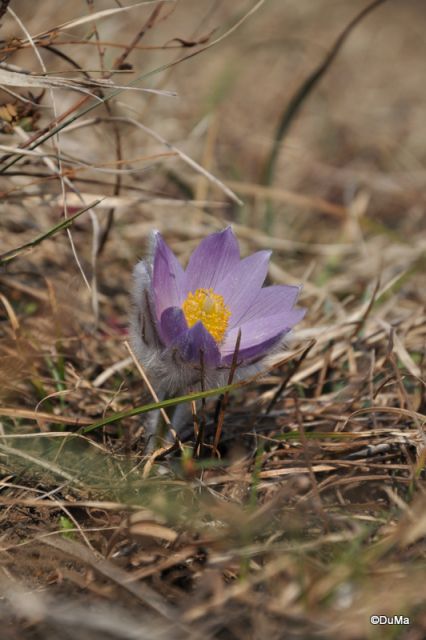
x=309, y=517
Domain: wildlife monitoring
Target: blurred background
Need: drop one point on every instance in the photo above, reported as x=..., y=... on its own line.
x=349, y=164
x=302, y=124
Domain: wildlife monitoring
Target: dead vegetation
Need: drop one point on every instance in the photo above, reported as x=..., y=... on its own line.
x=311, y=516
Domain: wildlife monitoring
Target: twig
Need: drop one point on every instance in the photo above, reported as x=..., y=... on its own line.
x=202, y=422
x=278, y=393
x=61, y=121
x=3, y=7
x=315, y=490
x=224, y=398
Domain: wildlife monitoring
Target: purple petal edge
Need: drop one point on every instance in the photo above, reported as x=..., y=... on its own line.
x=271, y=301
x=212, y=261
x=257, y=332
x=167, y=277
x=242, y=285
x=197, y=343
x=254, y=352
x=172, y=325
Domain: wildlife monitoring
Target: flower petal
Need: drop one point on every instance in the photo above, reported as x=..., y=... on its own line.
x=271, y=301
x=197, y=343
x=251, y=353
x=214, y=258
x=172, y=325
x=167, y=278
x=257, y=331
x=268, y=317
x=241, y=286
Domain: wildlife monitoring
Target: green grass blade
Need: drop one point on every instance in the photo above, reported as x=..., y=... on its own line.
x=171, y=402
x=64, y=224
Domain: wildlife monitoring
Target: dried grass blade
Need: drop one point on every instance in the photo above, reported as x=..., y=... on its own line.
x=64, y=224
x=188, y=398
x=112, y=572
x=98, y=15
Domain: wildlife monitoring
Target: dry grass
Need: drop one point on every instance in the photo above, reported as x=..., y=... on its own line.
x=311, y=518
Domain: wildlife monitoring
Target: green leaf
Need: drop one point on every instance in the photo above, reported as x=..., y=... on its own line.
x=171, y=402
x=66, y=527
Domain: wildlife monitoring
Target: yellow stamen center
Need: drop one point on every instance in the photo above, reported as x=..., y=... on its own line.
x=209, y=308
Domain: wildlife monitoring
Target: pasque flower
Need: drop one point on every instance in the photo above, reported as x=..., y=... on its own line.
x=187, y=321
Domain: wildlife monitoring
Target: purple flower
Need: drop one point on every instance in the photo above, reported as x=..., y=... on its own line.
x=183, y=316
